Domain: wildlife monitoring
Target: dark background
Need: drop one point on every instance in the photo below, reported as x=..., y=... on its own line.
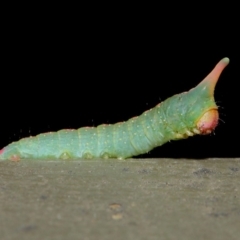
x=69, y=72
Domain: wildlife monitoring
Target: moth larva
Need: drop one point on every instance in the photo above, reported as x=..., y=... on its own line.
x=180, y=116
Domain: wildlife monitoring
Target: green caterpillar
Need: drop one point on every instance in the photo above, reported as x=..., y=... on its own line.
x=180, y=116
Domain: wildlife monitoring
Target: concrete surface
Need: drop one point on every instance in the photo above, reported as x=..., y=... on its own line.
x=112, y=199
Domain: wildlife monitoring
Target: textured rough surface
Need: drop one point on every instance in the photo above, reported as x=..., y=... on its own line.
x=113, y=199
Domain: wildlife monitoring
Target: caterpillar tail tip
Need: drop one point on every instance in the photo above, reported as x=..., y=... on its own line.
x=209, y=120
x=225, y=60
x=211, y=80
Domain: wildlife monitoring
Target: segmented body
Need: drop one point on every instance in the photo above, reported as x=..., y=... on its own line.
x=121, y=140
x=180, y=116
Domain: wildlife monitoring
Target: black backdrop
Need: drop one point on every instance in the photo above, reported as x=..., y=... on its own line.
x=63, y=75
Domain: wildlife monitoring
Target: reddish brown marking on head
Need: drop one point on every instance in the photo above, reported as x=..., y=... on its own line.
x=209, y=120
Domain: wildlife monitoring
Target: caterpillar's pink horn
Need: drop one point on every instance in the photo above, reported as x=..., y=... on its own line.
x=211, y=79
x=209, y=120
